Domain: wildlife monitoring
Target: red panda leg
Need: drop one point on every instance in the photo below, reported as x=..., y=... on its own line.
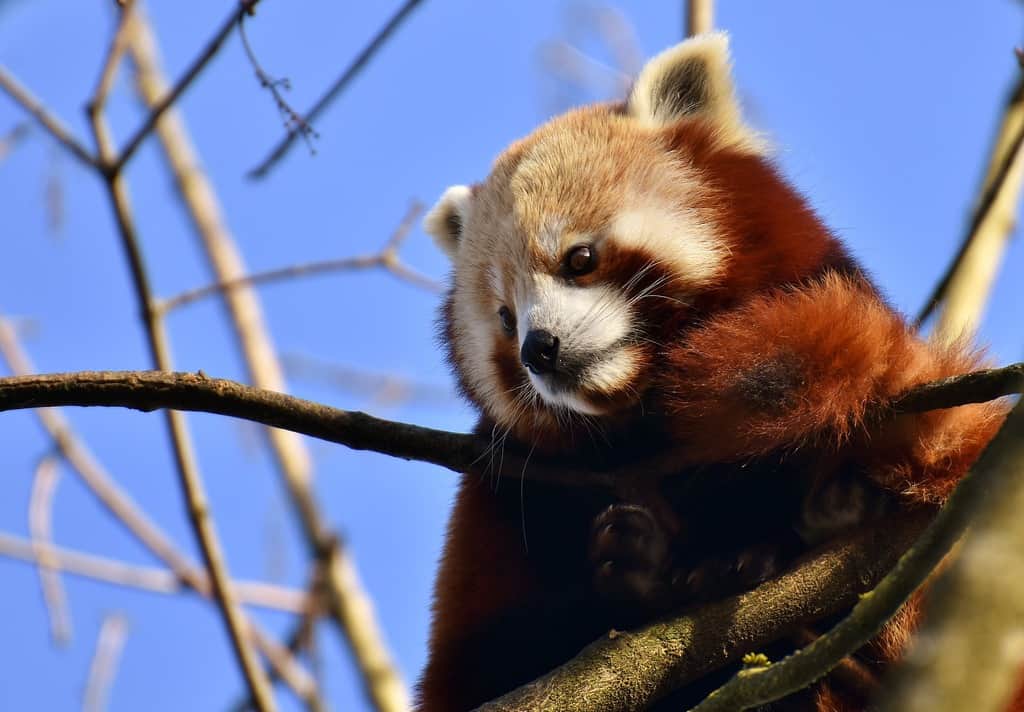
x=513, y=596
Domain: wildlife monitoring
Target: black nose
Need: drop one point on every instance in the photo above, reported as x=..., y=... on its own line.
x=540, y=351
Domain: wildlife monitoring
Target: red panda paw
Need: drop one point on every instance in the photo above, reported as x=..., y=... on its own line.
x=733, y=572
x=629, y=556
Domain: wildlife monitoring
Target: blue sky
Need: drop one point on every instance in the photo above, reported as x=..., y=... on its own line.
x=882, y=113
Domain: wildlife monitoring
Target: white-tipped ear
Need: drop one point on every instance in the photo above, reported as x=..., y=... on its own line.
x=693, y=80
x=446, y=219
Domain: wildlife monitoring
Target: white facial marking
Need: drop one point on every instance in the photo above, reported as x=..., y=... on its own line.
x=590, y=323
x=585, y=319
x=680, y=238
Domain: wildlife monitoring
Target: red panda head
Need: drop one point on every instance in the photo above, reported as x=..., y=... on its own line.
x=596, y=240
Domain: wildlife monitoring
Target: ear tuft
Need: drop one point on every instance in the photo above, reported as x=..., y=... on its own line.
x=447, y=218
x=693, y=80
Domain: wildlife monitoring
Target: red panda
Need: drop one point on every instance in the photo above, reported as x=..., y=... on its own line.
x=638, y=277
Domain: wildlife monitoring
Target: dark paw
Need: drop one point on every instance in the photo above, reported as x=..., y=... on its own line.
x=629, y=555
x=725, y=575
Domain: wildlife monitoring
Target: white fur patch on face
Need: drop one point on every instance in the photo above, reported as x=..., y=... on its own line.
x=680, y=238
x=590, y=323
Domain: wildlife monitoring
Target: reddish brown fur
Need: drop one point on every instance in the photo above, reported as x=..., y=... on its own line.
x=791, y=357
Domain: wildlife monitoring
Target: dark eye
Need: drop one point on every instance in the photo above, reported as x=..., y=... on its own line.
x=508, y=320
x=580, y=260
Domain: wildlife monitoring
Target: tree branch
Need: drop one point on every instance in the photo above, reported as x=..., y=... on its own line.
x=965, y=285
x=109, y=644
x=155, y=580
x=184, y=82
x=339, y=85
x=991, y=476
x=700, y=17
x=968, y=654
x=152, y=390
x=54, y=126
x=387, y=259
x=630, y=670
x=177, y=430
x=383, y=684
x=40, y=524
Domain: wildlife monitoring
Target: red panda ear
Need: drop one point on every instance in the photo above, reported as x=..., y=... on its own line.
x=446, y=219
x=694, y=80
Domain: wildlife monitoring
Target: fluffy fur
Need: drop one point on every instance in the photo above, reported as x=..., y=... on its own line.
x=710, y=314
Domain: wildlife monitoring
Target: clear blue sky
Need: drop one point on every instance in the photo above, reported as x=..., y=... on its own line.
x=882, y=113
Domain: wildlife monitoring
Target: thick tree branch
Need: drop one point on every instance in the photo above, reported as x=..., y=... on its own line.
x=968, y=655
x=629, y=671
x=152, y=390
x=991, y=478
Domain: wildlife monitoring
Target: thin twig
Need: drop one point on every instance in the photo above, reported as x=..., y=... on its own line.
x=45, y=119
x=110, y=495
x=298, y=638
x=383, y=683
x=188, y=472
x=12, y=138
x=198, y=65
x=146, y=578
x=118, y=45
x=999, y=464
x=965, y=285
x=386, y=259
x=40, y=518
x=292, y=120
x=339, y=85
x=700, y=17
x=109, y=645
x=152, y=390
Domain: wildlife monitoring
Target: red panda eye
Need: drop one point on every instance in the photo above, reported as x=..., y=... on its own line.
x=508, y=320
x=580, y=260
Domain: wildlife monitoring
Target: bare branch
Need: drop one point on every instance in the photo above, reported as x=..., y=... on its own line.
x=968, y=653
x=151, y=390
x=118, y=45
x=110, y=495
x=994, y=472
x=700, y=17
x=252, y=593
x=339, y=85
x=54, y=126
x=386, y=259
x=383, y=684
x=109, y=644
x=293, y=121
x=965, y=285
x=184, y=82
x=40, y=517
x=184, y=456
x=630, y=670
